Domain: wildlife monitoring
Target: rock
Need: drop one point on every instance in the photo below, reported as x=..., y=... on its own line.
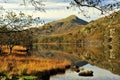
x=86, y=73
x=81, y=68
x=77, y=70
x=80, y=63
x=76, y=66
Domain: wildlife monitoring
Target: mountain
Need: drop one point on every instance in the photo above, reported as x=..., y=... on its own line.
x=73, y=19
x=105, y=30
x=61, y=26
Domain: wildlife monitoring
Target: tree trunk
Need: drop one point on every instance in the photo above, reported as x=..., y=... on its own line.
x=0, y=50
x=11, y=48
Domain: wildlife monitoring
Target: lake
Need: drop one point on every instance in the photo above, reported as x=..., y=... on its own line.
x=99, y=74
x=103, y=60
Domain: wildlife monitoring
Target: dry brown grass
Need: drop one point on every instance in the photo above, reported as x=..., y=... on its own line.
x=16, y=49
x=27, y=65
x=13, y=65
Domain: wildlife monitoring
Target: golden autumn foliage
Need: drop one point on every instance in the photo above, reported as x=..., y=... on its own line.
x=13, y=65
x=16, y=49
x=28, y=65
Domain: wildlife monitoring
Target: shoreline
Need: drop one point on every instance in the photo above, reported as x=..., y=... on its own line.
x=44, y=75
x=13, y=67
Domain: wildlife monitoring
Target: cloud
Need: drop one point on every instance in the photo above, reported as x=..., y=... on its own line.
x=11, y=1
x=55, y=9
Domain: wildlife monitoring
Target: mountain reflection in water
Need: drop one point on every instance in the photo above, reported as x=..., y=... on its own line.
x=103, y=56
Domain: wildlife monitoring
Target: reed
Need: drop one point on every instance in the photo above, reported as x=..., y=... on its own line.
x=12, y=65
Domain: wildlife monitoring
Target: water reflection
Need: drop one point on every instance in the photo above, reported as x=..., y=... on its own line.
x=103, y=56
x=99, y=74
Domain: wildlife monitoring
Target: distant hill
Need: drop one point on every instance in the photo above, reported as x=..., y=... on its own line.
x=105, y=29
x=73, y=19
x=61, y=26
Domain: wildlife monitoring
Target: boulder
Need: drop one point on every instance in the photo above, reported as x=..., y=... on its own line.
x=75, y=68
x=86, y=73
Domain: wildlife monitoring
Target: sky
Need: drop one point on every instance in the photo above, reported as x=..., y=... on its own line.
x=54, y=10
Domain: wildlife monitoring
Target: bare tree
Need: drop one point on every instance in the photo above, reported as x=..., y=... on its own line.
x=11, y=27
x=37, y=4
x=102, y=5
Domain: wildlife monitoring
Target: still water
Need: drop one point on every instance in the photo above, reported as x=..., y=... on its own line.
x=99, y=74
x=103, y=60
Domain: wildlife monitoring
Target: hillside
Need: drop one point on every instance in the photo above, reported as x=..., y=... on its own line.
x=105, y=29
x=61, y=26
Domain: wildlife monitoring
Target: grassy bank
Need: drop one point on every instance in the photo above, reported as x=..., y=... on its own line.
x=29, y=67
x=19, y=66
x=16, y=50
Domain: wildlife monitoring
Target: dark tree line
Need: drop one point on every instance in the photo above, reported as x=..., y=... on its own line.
x=15, y=30
x=13, y=38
